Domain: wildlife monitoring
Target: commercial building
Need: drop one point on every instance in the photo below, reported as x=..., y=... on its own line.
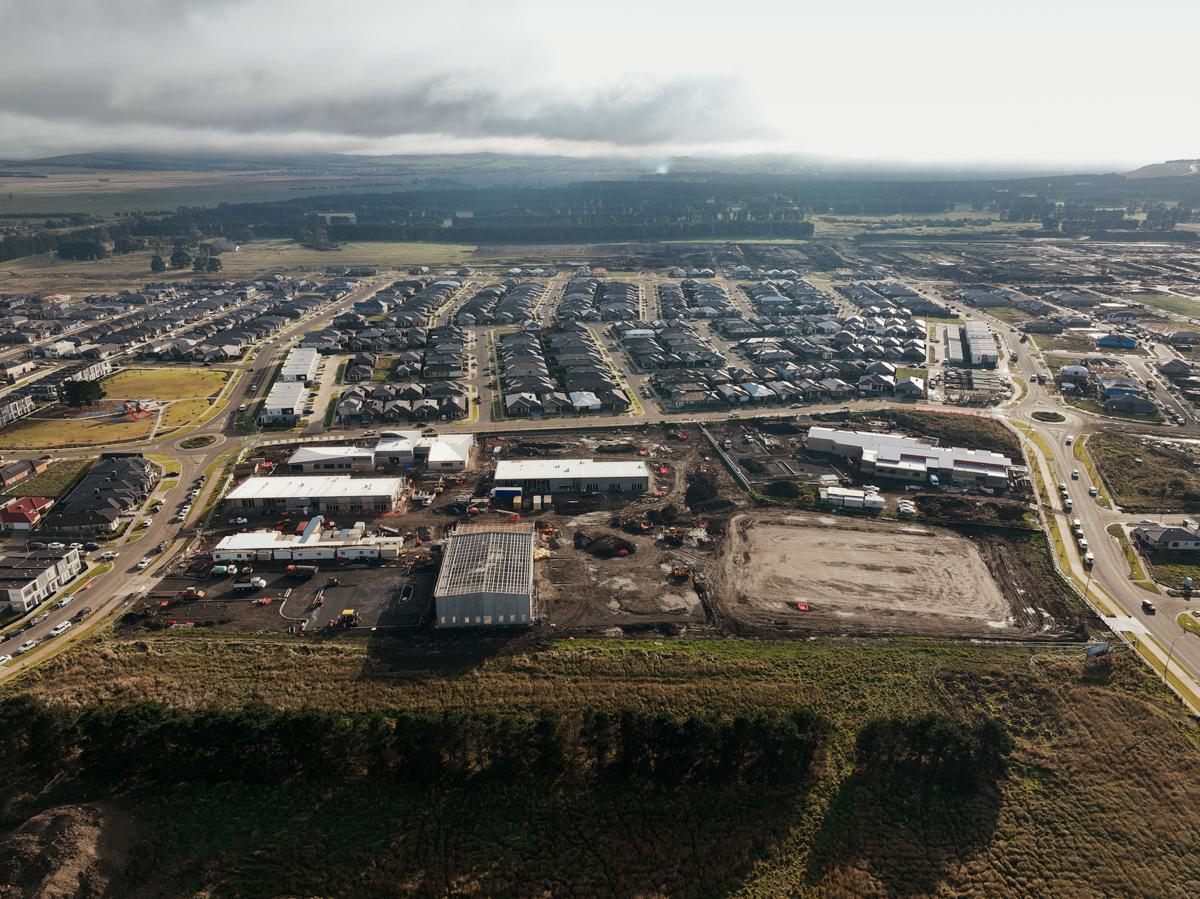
x=447, y=452
x=284, y=404
x=332, y=458
x=487, y=576
x=29, y=579
x=543, y=476
x=913, y=459
x=980, y=344
x=313, y=494
x=301, y=364
x=314, y=544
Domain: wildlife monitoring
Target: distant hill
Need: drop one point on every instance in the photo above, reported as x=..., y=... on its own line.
x=1171, y=169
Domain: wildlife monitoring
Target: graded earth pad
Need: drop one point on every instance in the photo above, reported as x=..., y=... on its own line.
x=857, y=576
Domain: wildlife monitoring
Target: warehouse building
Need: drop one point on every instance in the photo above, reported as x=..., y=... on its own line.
x=301, y=364
x=444, y=452
x=543, y=476
x=487, y=576
x=910, y=459
x=284, y=404
x=315, y=543
x=311, y=459
x=317, y=493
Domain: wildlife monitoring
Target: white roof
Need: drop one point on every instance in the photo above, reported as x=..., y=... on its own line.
x=544, y=469
x=324, y=486
x=287, y=395
x=323, y=453
x=252, y=541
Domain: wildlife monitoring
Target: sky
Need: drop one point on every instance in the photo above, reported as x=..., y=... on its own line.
x=1091, y=86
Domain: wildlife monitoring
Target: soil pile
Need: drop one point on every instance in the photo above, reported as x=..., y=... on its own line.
x=603, y=545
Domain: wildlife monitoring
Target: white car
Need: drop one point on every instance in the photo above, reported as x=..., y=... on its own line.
x=145, y=563
x=4, y=659
x=60, y=629
x=56, y=546
x=25, y=647
x=146, y=522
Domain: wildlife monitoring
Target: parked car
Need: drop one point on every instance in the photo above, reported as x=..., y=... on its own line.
x=38, y=619
x=407, y=593
x=56, y=546
x=91, y=547
x=60, y=629
x=146, y=522
x=162, y=546
x=36, y=545
x=25, y=647
x=4, y=659
x=83, y=613
x=145, y=563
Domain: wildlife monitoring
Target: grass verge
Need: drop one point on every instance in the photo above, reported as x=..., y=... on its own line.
x=1136, y=572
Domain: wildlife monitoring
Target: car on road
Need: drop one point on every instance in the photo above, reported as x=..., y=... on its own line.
x=145, y=563
x=368, y=433
x=407, y=593
x=91, y=547
x=75, y=545
x=60, y=629
x=48, y=457
x=38, y=619
x=36, y=545
x=1075, y=474
x=146, y=522
x=162, y=546
x=25, y=647
x=4, y=659
x=1092, y=491
x=66, y=600
x=1148, y=607
x=82, y=614
x=796, y=406
x=56, y=546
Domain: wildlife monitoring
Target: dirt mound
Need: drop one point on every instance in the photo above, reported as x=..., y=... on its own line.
x=780, y=428
x=72, y=850
x=603, y=545
x=616, y=448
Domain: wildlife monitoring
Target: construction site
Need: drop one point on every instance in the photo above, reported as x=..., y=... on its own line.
x=695, y=554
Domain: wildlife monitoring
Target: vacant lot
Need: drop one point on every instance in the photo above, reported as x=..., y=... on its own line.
x=1166, y=302
x=866, y=577
x=164, y=384
x=54, y=481
x=88, y=429
x=1145, y=475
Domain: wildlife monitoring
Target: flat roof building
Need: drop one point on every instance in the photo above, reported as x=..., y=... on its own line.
x=284, y=403
x=579, y=475
x=318, y=493
x=311, y=459
x=313, y=545
x=911, y=459
x=487, y=576
x=301, y=364
x=444, y=452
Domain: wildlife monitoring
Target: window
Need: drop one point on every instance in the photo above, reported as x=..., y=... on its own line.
x=443, y=619
x=522, y=617
x=356, y=507
x=615, y=487
x=487, y=619
x=453, y=619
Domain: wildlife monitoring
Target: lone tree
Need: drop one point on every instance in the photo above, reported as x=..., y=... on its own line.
x=82, y=393
x=157, y=264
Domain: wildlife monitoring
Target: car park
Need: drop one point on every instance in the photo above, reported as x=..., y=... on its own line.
x=25, y=647
x=60, y=629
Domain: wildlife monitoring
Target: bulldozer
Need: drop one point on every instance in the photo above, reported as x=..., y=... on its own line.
x=681, y=571
x=348, y=618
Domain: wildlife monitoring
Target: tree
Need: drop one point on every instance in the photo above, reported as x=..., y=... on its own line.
x=81, y=249
x=212, y=264
x=181, y=258
x=82, y=393
x=126, y=243
x=198, y=264
x=157, y=264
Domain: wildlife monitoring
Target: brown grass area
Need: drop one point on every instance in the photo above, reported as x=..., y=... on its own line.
x=1101, y=798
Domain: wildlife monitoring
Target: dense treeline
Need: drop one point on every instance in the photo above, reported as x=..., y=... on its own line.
x=934, y=751
x=151, y=743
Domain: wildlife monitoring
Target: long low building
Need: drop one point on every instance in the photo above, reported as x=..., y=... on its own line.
x=542, y=476
x=284, y=404
x=318, y=493
x=911, y=459
x=301, y=364
x=487, y=576
x=311, y=546
x=311, y=459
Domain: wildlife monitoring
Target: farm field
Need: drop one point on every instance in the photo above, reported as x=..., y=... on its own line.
x=1046, y=824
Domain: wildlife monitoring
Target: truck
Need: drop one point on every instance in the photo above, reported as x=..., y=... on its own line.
x=224, y=570
x=302, y=570
x=254, y=583
x=1041, y=379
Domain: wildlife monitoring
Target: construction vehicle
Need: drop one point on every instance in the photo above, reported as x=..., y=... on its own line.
x=681, y=571
x=254, y=583
x=192, y=593
x=224, y=570
x=441, y=484
x=302, y=570
x=348, y=618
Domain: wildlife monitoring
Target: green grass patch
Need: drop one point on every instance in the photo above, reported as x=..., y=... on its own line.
x=1166, y=302
x=1136, y=572
x=55, y=481
x=1187, y=621
x=1170, y=568
x=199, y=441
x=36, y=434
x=331, y=409
x=1082, y=455
x=1008, y=314
x=1143, y=477
x=182, y=412
x=164, y=384
x=1067, y=342
x=1049, y=416
x=1148, y=586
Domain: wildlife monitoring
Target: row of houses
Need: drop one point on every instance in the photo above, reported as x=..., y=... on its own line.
x=513, y=302
x=660, y=345
x=367, y=404
x=559, y=370
x=595, y=300
x=1104, y=380
x=115, y=486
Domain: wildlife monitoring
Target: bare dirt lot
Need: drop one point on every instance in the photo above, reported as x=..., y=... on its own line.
x=860, y=576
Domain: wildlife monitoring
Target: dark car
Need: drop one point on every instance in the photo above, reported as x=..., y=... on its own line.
x=83, y=613
x=37, y=545
x=91, y=547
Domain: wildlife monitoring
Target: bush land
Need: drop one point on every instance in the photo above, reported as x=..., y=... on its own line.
x=1144, y=477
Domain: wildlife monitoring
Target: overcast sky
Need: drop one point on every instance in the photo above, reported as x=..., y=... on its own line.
x=1098, y=84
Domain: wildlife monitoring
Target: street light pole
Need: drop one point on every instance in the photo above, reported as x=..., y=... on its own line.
x=1167, y=667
